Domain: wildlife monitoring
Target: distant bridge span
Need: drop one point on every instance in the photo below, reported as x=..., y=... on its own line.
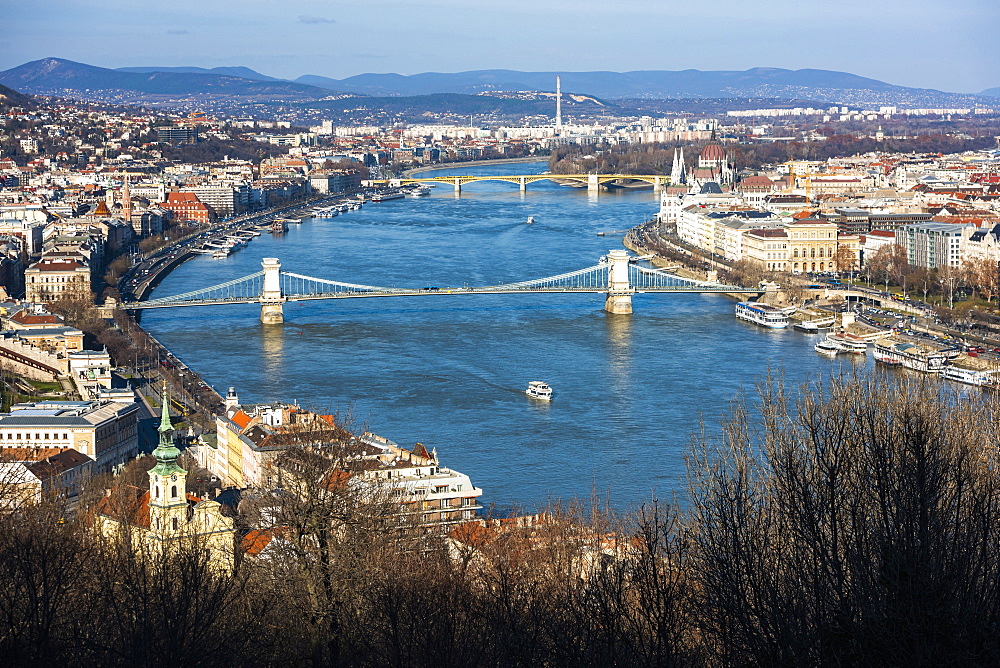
x=614, y=276
x=592, y=181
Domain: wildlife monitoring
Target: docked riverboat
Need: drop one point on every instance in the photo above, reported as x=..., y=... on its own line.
x=539, y=390
x=897, y=352
x=971, y=371
x=385, y=197
x=848, y=343
x=814, y=326
x=826, y=347
x=764, y=315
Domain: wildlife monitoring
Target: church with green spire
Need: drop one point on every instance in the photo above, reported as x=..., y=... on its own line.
x=166, y=514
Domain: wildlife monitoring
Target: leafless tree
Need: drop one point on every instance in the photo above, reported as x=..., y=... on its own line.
x=854, y=521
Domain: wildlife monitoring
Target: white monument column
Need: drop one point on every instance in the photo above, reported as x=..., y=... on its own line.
x=619, y=288
x=271, y=298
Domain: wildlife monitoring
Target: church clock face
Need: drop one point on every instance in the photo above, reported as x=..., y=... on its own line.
x=173, y=478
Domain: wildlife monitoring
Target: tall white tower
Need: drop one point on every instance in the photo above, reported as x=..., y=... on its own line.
x=558, y=103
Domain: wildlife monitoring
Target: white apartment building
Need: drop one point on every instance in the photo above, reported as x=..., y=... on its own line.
x=932, y=244
x=105, y=431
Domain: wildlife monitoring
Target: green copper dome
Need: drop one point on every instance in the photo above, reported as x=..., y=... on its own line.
x=166, y=452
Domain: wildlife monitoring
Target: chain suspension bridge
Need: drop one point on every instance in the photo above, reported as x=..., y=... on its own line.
x=592, y=181
x=615, y=275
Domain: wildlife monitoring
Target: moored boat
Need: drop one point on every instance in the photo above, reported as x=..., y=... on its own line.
x=814, y=326
x=384, y=197
x=764, y=315
x=970, y=373
x=848, y=343
x=826, y=347
x=899, y=352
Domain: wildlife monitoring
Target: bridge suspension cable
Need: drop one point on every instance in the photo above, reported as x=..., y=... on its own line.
x=242, y=289
x=295, y=285
x=645, y=278
x=592, y=277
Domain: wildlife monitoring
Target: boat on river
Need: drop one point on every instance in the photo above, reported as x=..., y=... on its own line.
x=971, y=371
x=814, y=326
x=531, y=219
x=893, y=351
x=826, y=347
x=384, y=197
x=539, y=390
x=764, y=315
x=848, y=343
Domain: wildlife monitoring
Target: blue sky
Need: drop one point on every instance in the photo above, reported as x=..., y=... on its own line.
x=928, y=44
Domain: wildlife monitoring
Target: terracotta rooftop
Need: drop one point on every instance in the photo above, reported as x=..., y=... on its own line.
x=48, y=265
x=25, y=318
x=28, y=454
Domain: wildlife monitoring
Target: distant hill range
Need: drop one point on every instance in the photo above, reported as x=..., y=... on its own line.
x=55, y=76
x=235, y=85
x=241, y=72
x=412, y=106
x=821, y=85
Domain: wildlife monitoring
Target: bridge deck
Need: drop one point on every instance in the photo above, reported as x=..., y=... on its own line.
x=456, y=292
x=655, y=179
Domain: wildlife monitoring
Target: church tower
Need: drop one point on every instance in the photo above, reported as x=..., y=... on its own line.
x=678, y=174
x=167, y=482
x=126, y=202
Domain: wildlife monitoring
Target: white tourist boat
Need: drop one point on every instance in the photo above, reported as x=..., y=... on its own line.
x=826, y=347
x=813, y=326
x=384, y=197
x=539, y=390
x=961, y=372
x=531, y=219
x=764, y=315
x=422, y=191
x=848, y=343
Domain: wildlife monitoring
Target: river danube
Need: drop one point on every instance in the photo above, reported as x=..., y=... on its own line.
x=450, y=371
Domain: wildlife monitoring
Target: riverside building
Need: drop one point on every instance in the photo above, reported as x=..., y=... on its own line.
x=105, y=431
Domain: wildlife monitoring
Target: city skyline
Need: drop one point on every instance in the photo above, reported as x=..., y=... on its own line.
x=339, y=40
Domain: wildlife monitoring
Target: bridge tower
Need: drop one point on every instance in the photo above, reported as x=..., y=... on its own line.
x=271, y=298
x=620, y=290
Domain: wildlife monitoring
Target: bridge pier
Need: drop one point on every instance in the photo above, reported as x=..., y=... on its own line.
x=593, y=184
x=657, y=184
x=458, y=186
x=619, y=299
x=271, y=299
x=523, y=184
